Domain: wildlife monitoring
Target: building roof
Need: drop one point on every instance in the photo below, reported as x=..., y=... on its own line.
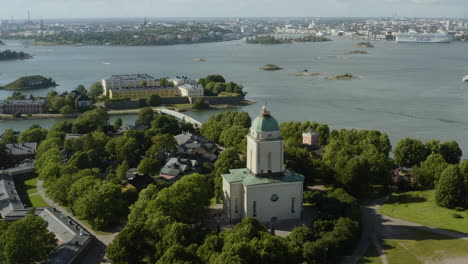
x=23, y=102
x=22, y=148
x=129, y=77
x=265, y=122
x=9, y=198
x=244, y=176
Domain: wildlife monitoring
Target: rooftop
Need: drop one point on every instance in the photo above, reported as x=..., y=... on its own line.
x=129, y=77
x=265, y=122
x=244, y=176
x=22, y=102
x=28, y=148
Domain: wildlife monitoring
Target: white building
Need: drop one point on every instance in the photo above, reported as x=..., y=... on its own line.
x=265, y=189
x=128, y=81
x=190, y=90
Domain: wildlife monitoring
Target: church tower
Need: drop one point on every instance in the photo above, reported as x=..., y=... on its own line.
x=265, y=189
x=265, y=146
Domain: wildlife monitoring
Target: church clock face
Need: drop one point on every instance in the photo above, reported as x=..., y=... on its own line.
x=274, y=197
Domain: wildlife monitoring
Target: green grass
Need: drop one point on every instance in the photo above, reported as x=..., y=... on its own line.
x=371, y=256
x=420, y=207
x=31, y=185
x=37, y=201
x=417, y=246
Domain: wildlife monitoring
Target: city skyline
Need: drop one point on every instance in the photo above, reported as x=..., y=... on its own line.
x=222, y=8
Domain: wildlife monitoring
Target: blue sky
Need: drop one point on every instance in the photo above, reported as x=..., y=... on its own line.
x=230, y=8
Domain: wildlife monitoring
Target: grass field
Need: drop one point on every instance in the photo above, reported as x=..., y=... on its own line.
x=420, y=207
x=37, y=201
x=425, y=247
x=31, y=185
x=371, y=257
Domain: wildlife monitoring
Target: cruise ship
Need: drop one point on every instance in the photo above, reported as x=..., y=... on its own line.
x=424, y=38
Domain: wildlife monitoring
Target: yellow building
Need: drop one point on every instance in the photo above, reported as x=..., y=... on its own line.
x=142, y=92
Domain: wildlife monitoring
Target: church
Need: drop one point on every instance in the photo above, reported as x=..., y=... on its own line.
x=265, y=189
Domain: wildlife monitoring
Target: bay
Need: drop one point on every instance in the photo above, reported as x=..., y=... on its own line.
x=404, y=90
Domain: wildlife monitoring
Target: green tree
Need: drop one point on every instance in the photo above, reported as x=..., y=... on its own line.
x=27, y=241
x=9, y=137
x=145, y=116
x=90, y=121
x=200, y=104
x=228, y=159
x=96, y=89
x=451, y=152
x=431, y=170
x=154, y=100
x=234, y=136
x=81, y=89
x=164, y=145
x=118, y=123
x=166, y=124
x=451, y=187
x=409, y=152
x=66, y=110
x=33, y=134
x=149, y=166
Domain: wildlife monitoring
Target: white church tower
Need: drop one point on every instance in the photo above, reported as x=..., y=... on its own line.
x=265, y=189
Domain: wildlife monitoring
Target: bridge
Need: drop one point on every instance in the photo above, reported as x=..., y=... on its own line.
x=180, y=116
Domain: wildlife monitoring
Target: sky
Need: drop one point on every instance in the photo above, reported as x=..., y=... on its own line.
x=231, y=8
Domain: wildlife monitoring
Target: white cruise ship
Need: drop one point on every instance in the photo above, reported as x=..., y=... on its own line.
x=424, y=38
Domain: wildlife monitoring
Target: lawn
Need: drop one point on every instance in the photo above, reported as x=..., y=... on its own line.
x=425, y=247
x=37, y=201
x=371, y=256
x=31, y=185
x=420, y=207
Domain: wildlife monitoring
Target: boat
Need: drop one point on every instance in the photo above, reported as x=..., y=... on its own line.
x=465, y=78
x=424, y=38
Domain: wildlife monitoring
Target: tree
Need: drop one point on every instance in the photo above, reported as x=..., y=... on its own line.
x=164, y=145
x=149, y=166
x=451, y=187
x=33, y=134
x=96, y=89
x=200, y=104
x=90, y=121
x=17, y=115
x=166, y=124
x=118, y=123
x=9, y=137
x=234, y=136
x=66, y=110
x=145, y=116
x=154, y=100
x=409, y=152
x=27, y=241
x=451, y=152
x=81, y=89
x=431, y=170
x=228, y=159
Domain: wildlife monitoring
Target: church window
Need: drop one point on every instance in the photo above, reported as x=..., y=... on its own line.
x=235, y=205
x=254, y=208
x=292, y=205
x=269, y=161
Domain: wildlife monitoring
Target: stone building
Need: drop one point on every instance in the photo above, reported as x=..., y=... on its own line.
x=265, y=189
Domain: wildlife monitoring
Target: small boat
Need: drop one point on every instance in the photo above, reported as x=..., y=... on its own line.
x=465, y=78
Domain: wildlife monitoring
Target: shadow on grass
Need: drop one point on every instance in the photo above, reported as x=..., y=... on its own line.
x=405, y=199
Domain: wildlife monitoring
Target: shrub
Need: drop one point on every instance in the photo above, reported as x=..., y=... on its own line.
x=459, y=209
x=457, y=216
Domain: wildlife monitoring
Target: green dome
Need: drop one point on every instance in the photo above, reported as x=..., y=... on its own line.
x=265, y=122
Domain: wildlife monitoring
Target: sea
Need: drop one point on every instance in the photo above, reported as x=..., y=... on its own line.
x=404, y=90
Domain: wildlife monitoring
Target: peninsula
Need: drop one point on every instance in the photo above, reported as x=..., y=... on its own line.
x=13, y=55
x=30, y=82
x=355, y=52
x=267, y=39
x=312, y=38
x=271, y=67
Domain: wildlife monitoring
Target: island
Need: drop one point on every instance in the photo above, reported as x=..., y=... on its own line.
x=364, y=45
x=355, y=52
x=271, y=67
x=199, y=60
x=13, y=55
x=267, y=39
x=312, y=38
x=345, y=76
x=304, y=73
x=30, y=82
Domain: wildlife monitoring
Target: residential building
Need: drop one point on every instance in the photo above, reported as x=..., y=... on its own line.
x=197, y=145
x=22, y=106
x=81, y=100
x=141, y=92
x=128, y=81
x=21, y=151
x=191, y=90
x=176, y=168
x=265, y=189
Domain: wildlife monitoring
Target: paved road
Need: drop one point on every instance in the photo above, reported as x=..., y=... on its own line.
x=96, y=253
